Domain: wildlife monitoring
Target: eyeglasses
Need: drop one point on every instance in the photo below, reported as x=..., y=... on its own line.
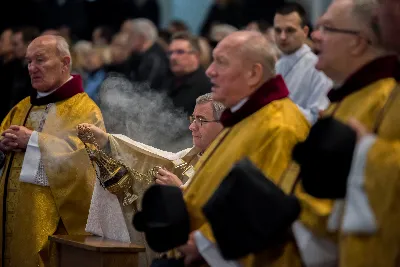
x=178, y=52
x=200, y=120
x=324, y=29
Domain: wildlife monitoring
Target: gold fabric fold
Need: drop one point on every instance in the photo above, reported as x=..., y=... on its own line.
x=266, y=138
x=41, y=211
x=366, y=106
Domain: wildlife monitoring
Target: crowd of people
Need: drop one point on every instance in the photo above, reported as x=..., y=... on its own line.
x=295, y=150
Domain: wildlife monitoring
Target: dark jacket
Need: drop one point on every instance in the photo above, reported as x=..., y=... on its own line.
x=16, y=83
x=151, y=66
x=183, y=91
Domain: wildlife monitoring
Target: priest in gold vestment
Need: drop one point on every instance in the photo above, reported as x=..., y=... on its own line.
x=260, y=123
x=46, y=178
x=360, y=230
x=108, y=216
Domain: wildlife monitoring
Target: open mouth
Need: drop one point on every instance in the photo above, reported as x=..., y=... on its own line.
x=213, y=86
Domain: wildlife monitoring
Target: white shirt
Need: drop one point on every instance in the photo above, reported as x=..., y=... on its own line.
x=30, y=165
x=308, y=87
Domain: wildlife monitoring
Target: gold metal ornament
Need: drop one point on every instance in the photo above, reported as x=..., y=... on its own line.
x=114, y=175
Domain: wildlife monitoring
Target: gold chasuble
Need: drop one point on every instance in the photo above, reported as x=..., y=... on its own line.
x=382, y=182
x=264, y=129
x=363, y=97
x=31, y=212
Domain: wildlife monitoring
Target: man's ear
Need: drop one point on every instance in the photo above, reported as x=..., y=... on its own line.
x=306, y=30
x=256, y=74
x=66, y=61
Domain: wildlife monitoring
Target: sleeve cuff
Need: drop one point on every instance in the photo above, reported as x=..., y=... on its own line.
x=31, y=161
x=210, y=252
x=310, y=114
x=358, y=215
x=314, y=251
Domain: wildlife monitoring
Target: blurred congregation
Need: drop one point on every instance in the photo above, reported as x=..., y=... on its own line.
x=124, y=37
x=263, y=134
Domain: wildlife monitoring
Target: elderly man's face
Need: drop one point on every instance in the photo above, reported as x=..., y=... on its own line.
x=204, y=133
x=389, y=20
x=182, y=59
x=46, y=67
x=227, y=73
x=290, y=35
x=335, y=48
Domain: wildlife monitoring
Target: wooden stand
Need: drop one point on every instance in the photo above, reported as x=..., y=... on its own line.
x=94, y=251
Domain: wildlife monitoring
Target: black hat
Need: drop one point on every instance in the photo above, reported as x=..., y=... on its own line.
x=164, y=218
x=325, y=158
x=248, y=213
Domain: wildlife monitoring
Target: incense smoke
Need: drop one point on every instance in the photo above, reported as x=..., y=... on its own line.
x=143, y=115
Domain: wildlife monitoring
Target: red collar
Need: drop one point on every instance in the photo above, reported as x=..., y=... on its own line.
x=380, y=68
x=68, y=90
x=273, y=89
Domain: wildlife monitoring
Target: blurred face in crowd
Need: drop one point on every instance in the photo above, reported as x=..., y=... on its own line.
x=127, y=27
x=336, y=49
x=232, y=74
x=97, y=39
x=389, y=20
x=47, y=68
x=204, y=128
x=119, y=48
x=252, y=26
x=137, y=42
x=290, y=34
x=270, y=35
x=6, y=46
x=93, y=60
x=182, y=58
x=19, y=45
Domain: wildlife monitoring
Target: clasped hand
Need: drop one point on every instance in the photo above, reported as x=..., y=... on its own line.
x=15, y=139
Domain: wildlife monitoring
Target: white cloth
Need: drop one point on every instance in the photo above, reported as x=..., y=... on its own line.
x=239, y=105
x=210, y=252
x=308, y=87
x=358, y=216
x=106, y=217
x=315, y=251
x=43, y=94
x=30, y=171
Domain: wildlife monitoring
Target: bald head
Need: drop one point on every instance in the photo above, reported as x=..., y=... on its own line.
x=253, y=48
x=49, y=62
x=243, y=61
x=56, y=42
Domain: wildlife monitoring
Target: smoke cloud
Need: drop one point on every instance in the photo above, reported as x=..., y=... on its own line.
x=143, y=115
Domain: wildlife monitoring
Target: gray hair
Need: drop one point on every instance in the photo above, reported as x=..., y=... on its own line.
x=145, y=28
x=217, y=107
x=364, y=11
x=62, y=48
x=258, y=49
x=220, y=31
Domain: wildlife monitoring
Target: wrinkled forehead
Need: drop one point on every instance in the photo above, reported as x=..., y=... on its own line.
x=41, y=48
x=204, y=109
x=228, y=48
